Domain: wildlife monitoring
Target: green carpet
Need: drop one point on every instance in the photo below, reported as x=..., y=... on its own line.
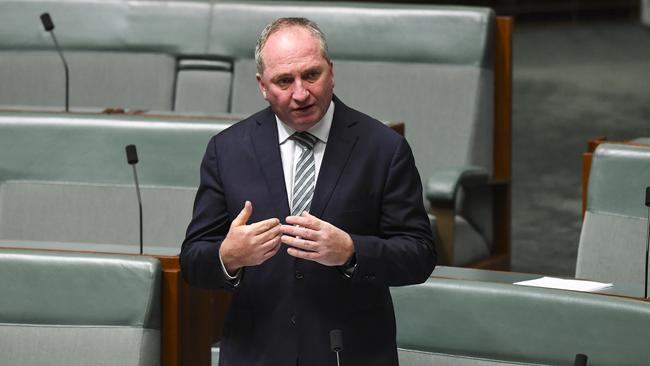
x=572, y=82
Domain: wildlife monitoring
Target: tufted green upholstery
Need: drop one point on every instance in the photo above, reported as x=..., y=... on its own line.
x=613, y=236
x=467, y=322
x=431, y=67
x=74, y=309
x=65, y=183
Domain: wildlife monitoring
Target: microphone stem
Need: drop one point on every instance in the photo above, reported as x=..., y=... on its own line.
x=337, y=359
x=647, y=247
x=137, y=190
x=67, y=73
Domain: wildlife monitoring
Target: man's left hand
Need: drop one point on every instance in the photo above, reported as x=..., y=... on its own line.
x=314, y=239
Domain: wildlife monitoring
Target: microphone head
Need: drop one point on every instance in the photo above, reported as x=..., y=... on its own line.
x=47, y=22
x=131, y=154
x=647, y=196
x=336, y=340
x=581, y=360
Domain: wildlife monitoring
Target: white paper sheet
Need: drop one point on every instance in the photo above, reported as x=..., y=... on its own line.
x=562, y=284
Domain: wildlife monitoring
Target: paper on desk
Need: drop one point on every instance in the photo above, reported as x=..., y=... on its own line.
x=562, y=284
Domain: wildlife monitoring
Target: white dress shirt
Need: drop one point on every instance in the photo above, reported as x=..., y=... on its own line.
x=290, y=151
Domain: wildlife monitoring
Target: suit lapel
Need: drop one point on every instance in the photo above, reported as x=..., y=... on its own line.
x=340, y=144
x=267, y=149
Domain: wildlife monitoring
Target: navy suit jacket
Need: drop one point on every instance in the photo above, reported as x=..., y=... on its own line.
x=283, y=310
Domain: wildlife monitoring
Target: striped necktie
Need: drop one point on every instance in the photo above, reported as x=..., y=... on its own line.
x=304, y=179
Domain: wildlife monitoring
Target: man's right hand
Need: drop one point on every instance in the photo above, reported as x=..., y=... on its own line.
x=249, y=245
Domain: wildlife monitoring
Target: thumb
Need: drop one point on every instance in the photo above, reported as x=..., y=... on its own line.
x=244, y=215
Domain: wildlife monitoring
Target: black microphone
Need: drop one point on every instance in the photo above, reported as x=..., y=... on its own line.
x=336, y=343
x=581, y=360
x=647, y=242
x=49, y=27
x=132, y=159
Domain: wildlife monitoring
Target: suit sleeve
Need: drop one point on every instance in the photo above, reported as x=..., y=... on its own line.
x=404, y=252
x=199, y=259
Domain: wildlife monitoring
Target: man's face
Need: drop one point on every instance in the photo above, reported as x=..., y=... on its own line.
x=297, y=81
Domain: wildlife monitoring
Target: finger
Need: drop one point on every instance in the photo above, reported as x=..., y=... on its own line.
x=265, y=236
x=298, y=231
x=263, y=226
x=244, y=215
x=272, y=246
x=302, y=244
x=312, y=256
x=311, y=222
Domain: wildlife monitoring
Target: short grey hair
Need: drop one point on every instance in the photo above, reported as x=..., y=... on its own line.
x=283, y=23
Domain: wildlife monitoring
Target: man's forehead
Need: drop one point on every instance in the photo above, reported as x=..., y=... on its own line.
x=292, y=47
x=291, y=40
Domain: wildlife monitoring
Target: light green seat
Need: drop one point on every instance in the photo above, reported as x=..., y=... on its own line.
x=65, y=309
x=613, y=236
x=479, y=323
x=120, y=53
x=65, y=182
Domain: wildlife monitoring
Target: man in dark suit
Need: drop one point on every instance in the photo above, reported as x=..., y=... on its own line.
x=332, y=216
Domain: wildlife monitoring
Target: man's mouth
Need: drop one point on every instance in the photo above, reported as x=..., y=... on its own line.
x=303, y=109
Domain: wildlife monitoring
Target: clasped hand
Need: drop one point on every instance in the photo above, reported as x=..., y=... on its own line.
x=307, y=236
x=314, y=239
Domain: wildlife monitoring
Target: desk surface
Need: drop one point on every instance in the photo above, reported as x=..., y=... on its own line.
x=623, y=290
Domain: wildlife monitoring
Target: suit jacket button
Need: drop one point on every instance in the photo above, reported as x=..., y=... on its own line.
x=299, y=275
x=293, y=319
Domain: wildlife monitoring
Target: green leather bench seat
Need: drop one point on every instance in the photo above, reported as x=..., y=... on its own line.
x=65, y=182
x=614, y=229
x=465, y=322
x=120, y=53
x=65, y=309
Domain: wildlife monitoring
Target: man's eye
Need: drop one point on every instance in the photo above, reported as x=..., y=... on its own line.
x=312, y=75
x=283, y=82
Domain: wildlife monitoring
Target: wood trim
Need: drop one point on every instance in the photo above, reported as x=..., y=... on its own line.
x=170, y=342
x=397, y=127
x=502, y=143
x=445, y=225
x=498, y=262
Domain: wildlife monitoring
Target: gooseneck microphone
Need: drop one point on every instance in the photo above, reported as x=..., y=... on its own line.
x=336, y=343
x=647, y=242
x=49, y=27
x=581, y=360
x=132, y=159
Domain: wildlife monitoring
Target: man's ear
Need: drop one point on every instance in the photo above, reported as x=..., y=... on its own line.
x=260, y=83
x=332, y=73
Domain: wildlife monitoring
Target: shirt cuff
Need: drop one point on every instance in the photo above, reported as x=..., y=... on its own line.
x=348, y=268
x=232, y=280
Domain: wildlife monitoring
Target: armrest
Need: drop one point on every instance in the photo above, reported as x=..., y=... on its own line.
x=443, y=185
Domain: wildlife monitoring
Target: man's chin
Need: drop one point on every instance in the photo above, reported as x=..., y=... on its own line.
x=304, y=122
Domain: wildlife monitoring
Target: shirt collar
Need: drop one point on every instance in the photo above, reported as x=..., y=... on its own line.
x=321, y=129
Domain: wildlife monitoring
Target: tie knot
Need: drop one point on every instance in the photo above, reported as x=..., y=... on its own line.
x=305, y=139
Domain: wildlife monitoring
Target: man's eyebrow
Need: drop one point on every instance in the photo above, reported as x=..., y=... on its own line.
x=281, y=76
x=313, y=69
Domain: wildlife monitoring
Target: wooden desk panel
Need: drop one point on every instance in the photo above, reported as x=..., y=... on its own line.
x=192, y=319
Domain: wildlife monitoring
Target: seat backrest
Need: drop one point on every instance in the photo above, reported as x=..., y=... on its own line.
x=467, y=322
x=65, y=309
x=431, y=67
x=64, y=180
x=613, y=236
x=120, y=53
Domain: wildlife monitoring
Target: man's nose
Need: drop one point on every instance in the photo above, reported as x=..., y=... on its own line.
x=300, y=93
